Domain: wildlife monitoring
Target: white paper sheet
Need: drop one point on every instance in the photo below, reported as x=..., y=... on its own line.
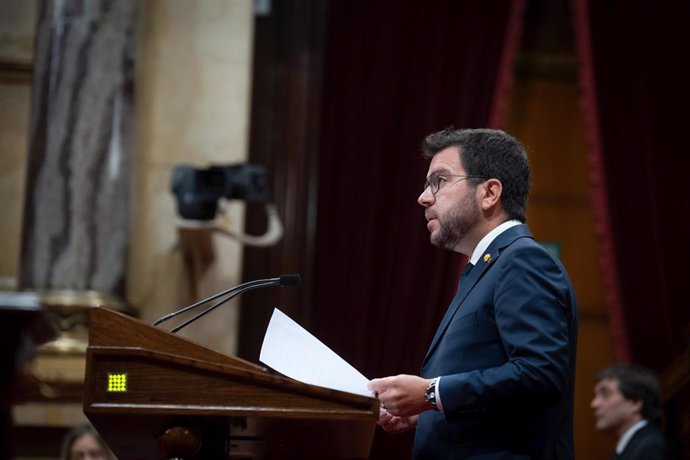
x=291, y=350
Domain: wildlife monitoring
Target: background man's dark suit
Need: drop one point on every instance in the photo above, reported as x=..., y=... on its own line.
x=506, y=354
x=646, y=444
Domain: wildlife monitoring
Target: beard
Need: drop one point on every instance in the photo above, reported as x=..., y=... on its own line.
x=456, y=223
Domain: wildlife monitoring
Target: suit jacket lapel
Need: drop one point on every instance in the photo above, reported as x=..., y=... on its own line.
x=467, y=283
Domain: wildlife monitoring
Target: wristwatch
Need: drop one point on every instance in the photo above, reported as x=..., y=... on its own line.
x=430, y=394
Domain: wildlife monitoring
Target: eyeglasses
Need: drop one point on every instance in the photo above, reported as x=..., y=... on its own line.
x=435, y=179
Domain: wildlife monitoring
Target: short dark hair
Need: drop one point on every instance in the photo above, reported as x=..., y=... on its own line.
x=637, y=383
x=492, y=153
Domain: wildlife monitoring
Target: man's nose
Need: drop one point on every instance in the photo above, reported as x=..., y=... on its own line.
x=427, y=198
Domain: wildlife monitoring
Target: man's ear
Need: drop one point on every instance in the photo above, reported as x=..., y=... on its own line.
x=490, y=193
x=638, y=405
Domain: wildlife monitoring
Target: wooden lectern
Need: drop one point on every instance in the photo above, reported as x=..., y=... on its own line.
x=154, y=395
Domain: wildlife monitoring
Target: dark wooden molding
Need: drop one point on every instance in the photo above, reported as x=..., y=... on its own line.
x=15, y=72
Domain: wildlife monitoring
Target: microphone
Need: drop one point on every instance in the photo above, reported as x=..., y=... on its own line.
x=282, y=280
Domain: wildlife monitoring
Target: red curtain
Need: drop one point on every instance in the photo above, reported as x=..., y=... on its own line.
x=636, y=97
x=394, y=74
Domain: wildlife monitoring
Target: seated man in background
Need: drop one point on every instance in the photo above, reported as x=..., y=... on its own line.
x=627, y=405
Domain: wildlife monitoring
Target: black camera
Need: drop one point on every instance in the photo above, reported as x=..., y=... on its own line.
x=198, y=190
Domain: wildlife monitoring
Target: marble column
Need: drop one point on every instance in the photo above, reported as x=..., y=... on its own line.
x=76, y=216
x=77, y=202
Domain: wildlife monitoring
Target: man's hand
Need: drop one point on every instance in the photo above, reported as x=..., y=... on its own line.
x=393, y=424
x=401, y=395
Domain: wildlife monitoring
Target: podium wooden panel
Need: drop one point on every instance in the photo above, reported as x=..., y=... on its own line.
x=177, y=391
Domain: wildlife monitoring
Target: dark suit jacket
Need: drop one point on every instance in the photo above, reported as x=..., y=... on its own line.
x=505, y=352
x=646, y=444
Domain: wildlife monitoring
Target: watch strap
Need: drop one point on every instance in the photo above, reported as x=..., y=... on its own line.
x=431, y=393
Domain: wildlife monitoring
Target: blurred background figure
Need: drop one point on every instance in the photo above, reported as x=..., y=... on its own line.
x=627, y=405
x=84, y=443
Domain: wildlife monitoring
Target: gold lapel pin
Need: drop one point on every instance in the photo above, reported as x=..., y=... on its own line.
x=487, y=257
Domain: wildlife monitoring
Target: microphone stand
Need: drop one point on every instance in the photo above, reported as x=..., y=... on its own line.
x=283, y=280
x=239, y=291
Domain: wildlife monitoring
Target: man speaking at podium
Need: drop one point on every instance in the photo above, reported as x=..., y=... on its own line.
x=497, y=380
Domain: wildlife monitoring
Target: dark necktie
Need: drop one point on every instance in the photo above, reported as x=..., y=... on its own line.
x=466, y=271
x=452, y=308
x=463, y=284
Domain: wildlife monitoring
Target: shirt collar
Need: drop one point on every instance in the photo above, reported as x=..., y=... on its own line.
x=625, y=439
x=489, y=237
